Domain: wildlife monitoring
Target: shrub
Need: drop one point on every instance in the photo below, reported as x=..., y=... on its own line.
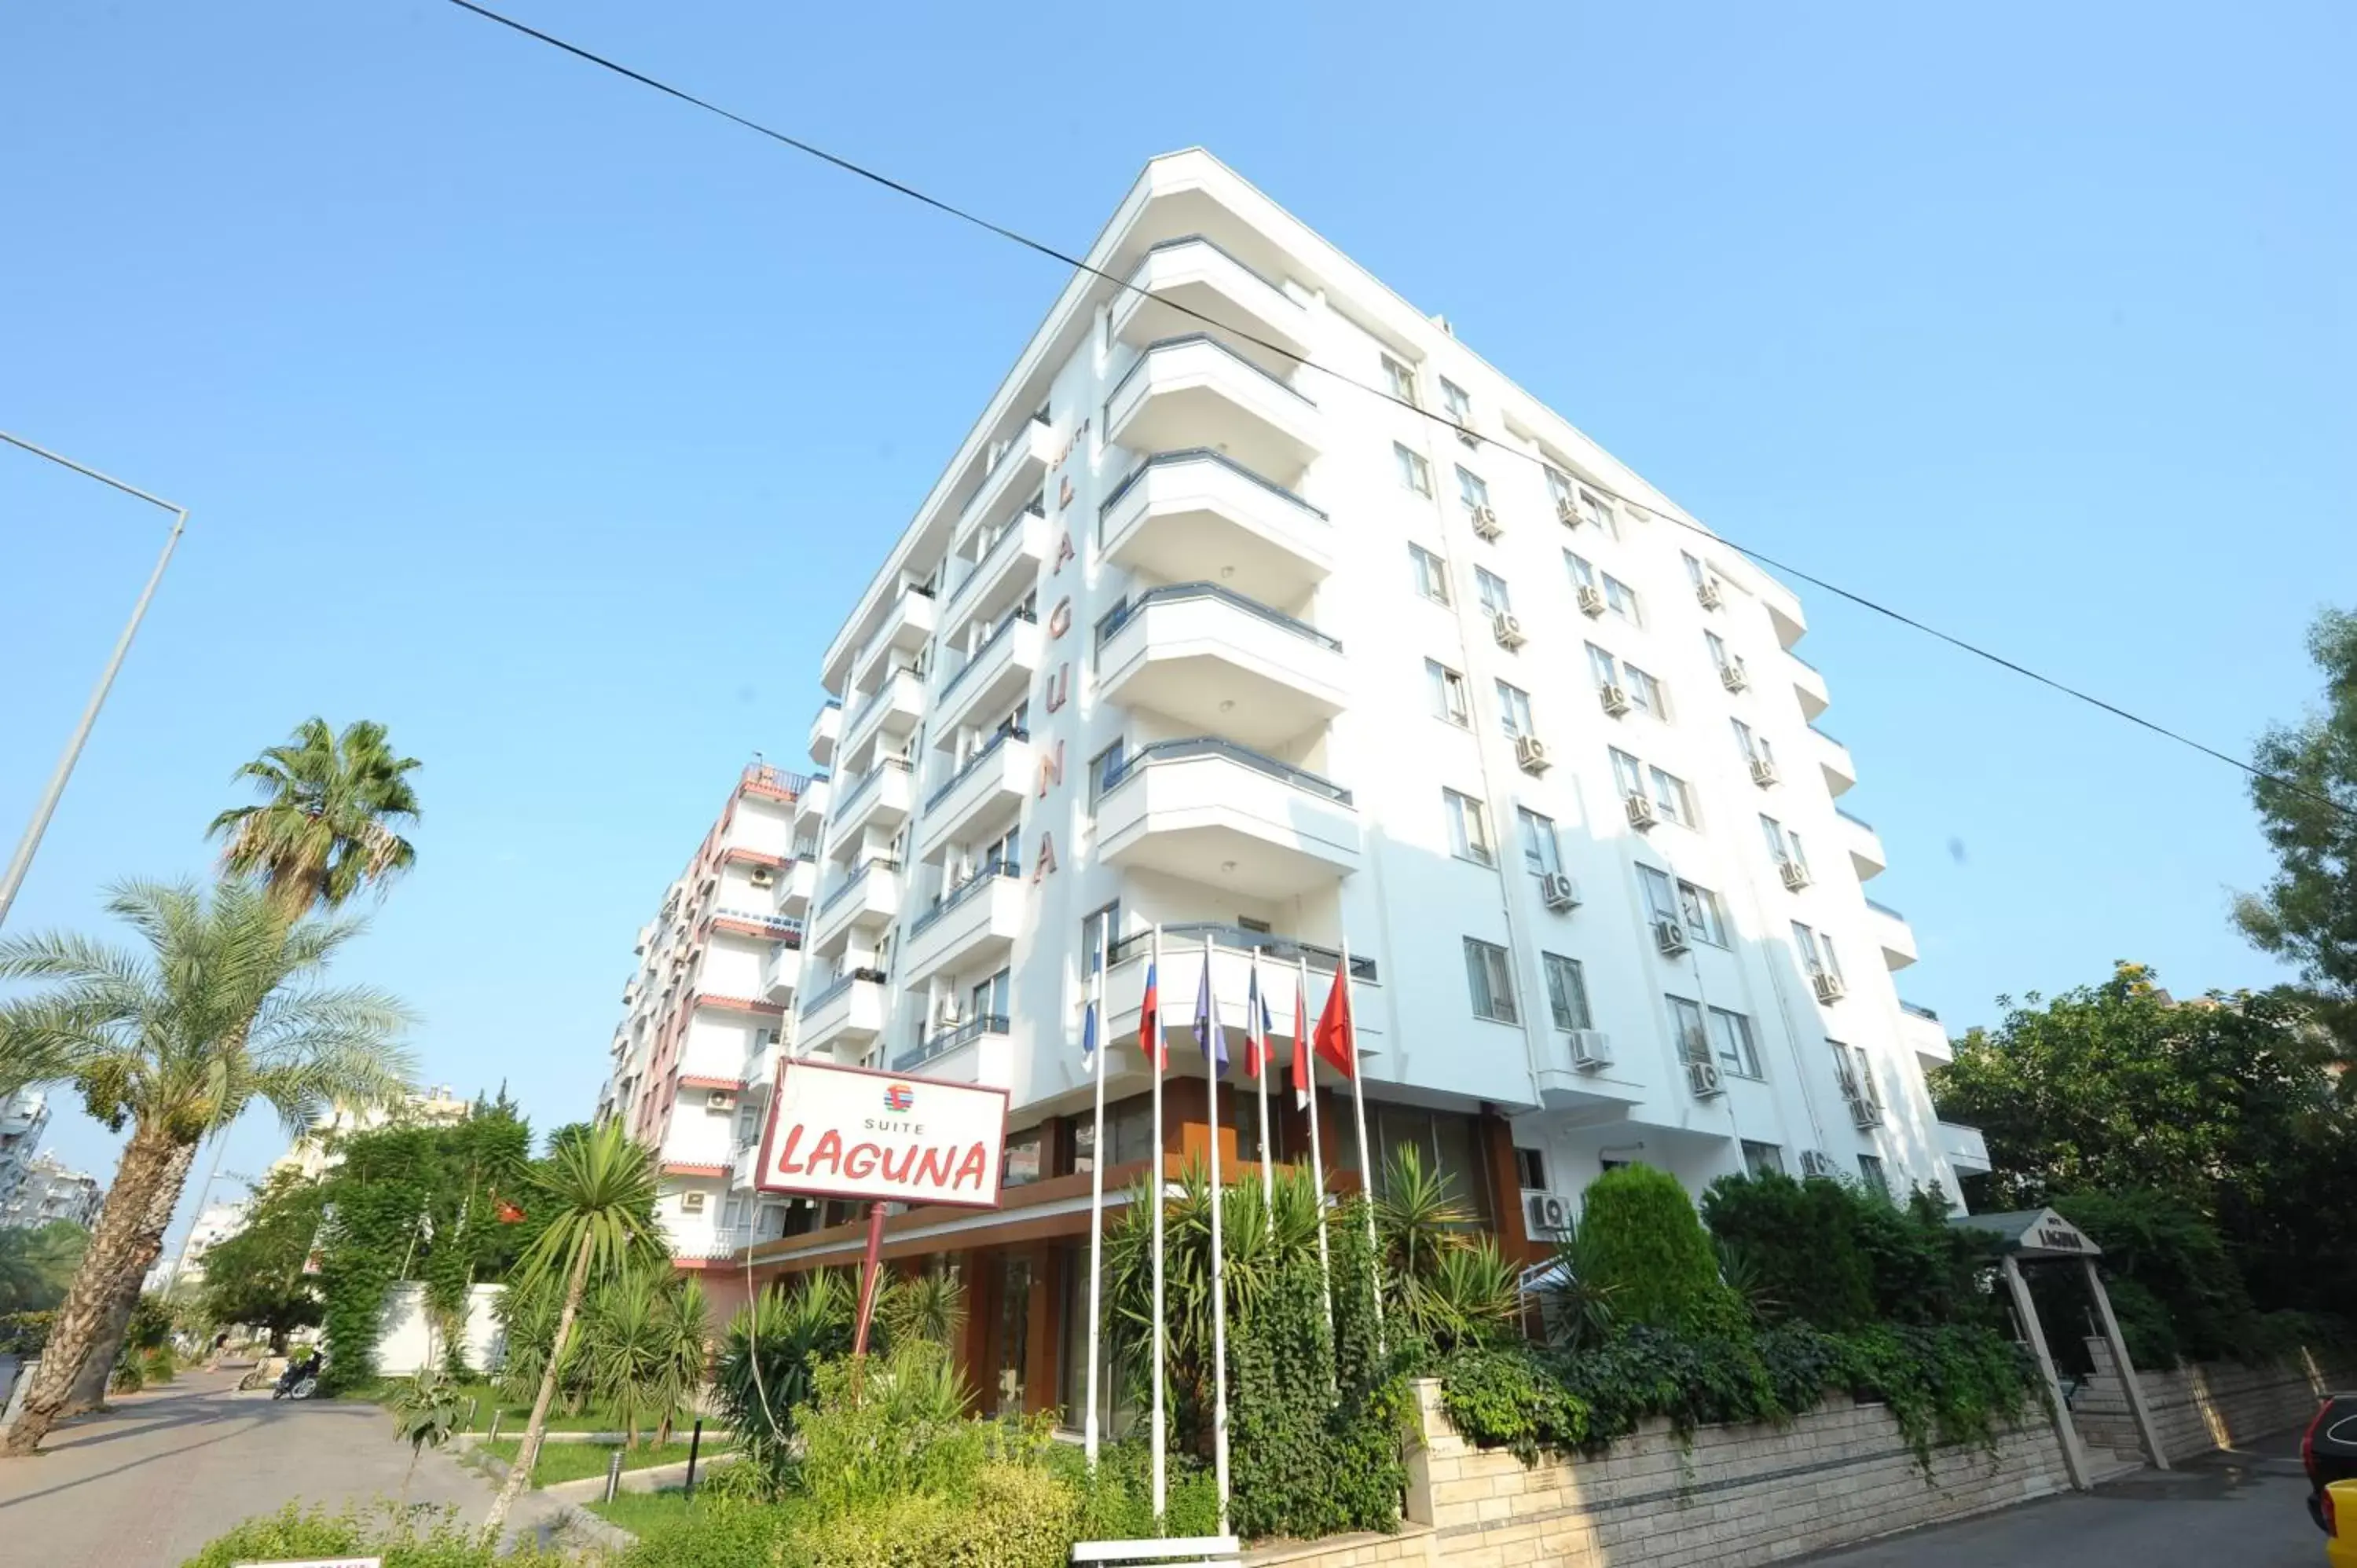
x=1508, y=1397
x=2180, y=1272
x=716, y=1532
x=1010, y=1516
x=1801, y=1239
x=1116, y=1501
x=1645, y=1242
x=405, y=1538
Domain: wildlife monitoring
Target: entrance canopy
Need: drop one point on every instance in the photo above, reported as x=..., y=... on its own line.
x=2031, y=1234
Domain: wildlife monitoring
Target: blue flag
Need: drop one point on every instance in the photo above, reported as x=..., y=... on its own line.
x=1208, y=1036
x=1088, y=1033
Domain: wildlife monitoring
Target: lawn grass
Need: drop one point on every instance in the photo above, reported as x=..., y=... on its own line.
x=640, y=1512
x=486, y=1401
x=577, y=1461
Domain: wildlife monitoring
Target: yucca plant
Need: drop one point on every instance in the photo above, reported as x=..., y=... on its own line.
x=929, y=1306
x=768, y=1357
x=1576, y=1299
x=1471, y=1293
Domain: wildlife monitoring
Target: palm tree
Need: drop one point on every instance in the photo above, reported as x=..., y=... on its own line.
x=225, y=1008
x=325, y=828
x=642, y=1347
x=599, y=1195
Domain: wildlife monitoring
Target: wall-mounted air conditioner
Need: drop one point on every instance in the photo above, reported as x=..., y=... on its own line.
x=1763, y=772
x=1546, y=1214
x=1509, y=629
x=1485, y=522
x=1530, y=754
x=1591, y=600
x=1670, y=937
x=691, y=1202
x=1589, y=1049
x=1704, y=1078
x=1828, y=984
x=1559, y=891
x=1641, y=814
x=720, y=1100
x=1615, y=698
x=1795, y=875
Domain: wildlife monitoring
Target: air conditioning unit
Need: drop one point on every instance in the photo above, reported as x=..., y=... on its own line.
x=1546, y=1213
x=1591, y=600
x=720, y=1100
x=1530, y=754
x=1589, y=1049
x=691, y=1203
x=1828, y=984
x=1706, y=594
x=1559, y=891
x=1616, y=698
x=1865, y=1114
x=1763, y=772
x=762, y=876
x=1568, y=512
x=1731, y=675
x=949, y=1015
x=1670, y=937
x=1485, y=522
x=1509, y=629
x=1468, y=437
x=1795, y=875
x=1703, y=1079
x=1817, y=1163
x=1640, y=811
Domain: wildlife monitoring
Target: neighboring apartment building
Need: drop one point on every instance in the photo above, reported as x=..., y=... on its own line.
x=49, y=1191
x=217, y=1223
x=705, y=1006
x=23, y=1117
x=1190, y=636
x=320, y=1150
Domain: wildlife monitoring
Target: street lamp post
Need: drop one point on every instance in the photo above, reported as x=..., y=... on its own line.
x=22, y=861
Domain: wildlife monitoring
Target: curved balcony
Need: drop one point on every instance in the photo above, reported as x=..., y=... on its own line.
x=1194, y=391
x=1920, y=1030
x=868, y=899
x=1012, y=481
x=908, y=626
x=1809, y=687
x=781, y=972
x=881, y=800
x=1833, y=761
x=890, y=714
x=1193, y=272
x=1195, y=515
x=1002, y=576
x=1965, y=1148
x=824, y=730
x=1892, y=934
x=987, y=793
x=1212, y=811
x=810, y=807
x=999, y=672
x=848, y=1013
x=1222, y=664
x=1865, y=845
x=976, y=920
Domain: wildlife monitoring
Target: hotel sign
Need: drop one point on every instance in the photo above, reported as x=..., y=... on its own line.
x=848, y=1133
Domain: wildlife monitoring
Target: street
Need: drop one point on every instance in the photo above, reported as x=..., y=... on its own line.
x=150, y=1480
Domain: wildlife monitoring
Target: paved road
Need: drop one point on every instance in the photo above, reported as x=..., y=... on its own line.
x=153, y=1477
x=2227, y=1511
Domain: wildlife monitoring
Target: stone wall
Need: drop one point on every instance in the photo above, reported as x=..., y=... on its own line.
x=2198, y=1408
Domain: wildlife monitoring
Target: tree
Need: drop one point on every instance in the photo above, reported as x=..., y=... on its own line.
x=599, y=1196
x=2306, y=799
x=641, y=1347
x=324, y=828
x=37, y=1265
x=224, y=1009
x=256, y=1276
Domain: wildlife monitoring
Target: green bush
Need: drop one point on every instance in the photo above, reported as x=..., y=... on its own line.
x=716, y=1532
x=1801, y=1238
x=2174, y=1256
x=1117, y=1500
x=411, y=1539
x=1508, y=1397
x=1648, y=1246
x=1009, y=1516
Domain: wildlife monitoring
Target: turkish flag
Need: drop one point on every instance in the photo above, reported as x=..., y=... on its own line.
x=1336, y=1040
x=508, y=1213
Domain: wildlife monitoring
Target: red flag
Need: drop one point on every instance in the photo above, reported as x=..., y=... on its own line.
x=1301, y=1078
x=508, y=1213
x=1335, y=1038
x=1149, y=1017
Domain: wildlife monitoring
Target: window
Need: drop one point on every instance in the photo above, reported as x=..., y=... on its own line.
x=1783, y=846
x=1628, y=774
x=1414, y=471
x=749, y=1123
x=1515, y=710
x=1763, y=1159
x=1453, y=399
x=1870, y=1170
x=1621, y=599
x=1816, y=950
x=1492, y=982
x=1644, y=691
x=1447, y=694
x=1694, y=573
x=1603, y=666
x=1566, y=991
x=1472, y=489
x=1540, y=852
x=1492, y=589
x=1401, y=381
x=989, y=997
x=1705, y=917
x=1597, y=511
x=1468, y=829
x=1731, y=1033
x=1583, y=575
x=1755, y=747
x=1661, y=893
x=1685, y=1024
x=1559, y=488
x=1671, y=794
x=1431, y=573
x=1104, y=772
x=1719, y=653
x=1021, y=1165
x=1099, y=933
x=1854, y=1071
x=1530, y=1169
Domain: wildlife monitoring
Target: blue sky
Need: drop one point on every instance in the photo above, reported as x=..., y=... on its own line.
x=553, y=423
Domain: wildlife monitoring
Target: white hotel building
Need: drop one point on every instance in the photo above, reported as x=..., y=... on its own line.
x=1189, y=634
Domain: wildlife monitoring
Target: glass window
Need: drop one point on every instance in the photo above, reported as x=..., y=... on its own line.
x=1800, y=854
x=1599, y=511
x=1628, y=773
x=1825, y=946
x=1104, y=772
x=1603, y=666
x=1566, y=991
x=1401, y=381
x=1492, y=588
x=1869, y=1171
x=1816, y=950
x=1431, y=573
x=1559, y=487
x=1731, y=1033
x=1100, y=933
x=1491, y=981
x=1773, y=831
x=989, y=997
x=1763, y=1159
x=1755, y=747
x=1472, y=489
x=1583, y=575
x=1515, y=710
x=1644, y=691
x=1447, y=694
x=1671, y=794
x=1718, y=646
x=1541, y=854
x=1621, y=598
x=1414, y=471
x=1705, y=917
x=1021, y=1166
x=1468, y=829
x=1530, y=1169
x=1694, y=569
x=1686, y=1027
x=1661, y=893
x=1453, y=399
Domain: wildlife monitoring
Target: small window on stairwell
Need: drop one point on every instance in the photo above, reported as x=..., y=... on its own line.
x=1530, y=1169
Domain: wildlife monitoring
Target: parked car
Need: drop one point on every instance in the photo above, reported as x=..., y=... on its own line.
x=2329, y=1453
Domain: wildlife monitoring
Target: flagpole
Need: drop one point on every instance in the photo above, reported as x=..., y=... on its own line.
x=1308, y=1087
x=1256, y=1027
x=1161, y=1322
x=1366, y=1167
x=1212, y=1046
x=1097, y=1028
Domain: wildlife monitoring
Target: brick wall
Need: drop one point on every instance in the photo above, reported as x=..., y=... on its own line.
x=2198, y=1408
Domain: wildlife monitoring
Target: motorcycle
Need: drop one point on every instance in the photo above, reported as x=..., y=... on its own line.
x=300, y=1380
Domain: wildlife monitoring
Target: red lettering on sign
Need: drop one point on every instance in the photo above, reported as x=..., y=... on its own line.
x=976, y=1165
x=1047, y=862
x=1064, y=551
x=786, y=1166
x=1060, y=687
x=828, y=1152
x=1051, y=768
x=1059, y=619
x=900, y=1172
x=933, y=1167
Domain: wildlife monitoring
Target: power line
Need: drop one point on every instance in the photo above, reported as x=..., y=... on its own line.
x=1080, y=264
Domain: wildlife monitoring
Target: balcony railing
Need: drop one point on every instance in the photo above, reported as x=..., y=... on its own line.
x=786, y=927
x=855, y=878
x=1010, y=731
x=1906, y=1006
x=876, y=637
x=874, y=780
x=833, y=988
x=1884, y=909
x=1213, y=245
x=1826, y=734
x=995, y=871
x=1802, y=663
x=1035, y=507
x=948, y=1040
x=1189, y=936
x=1182, y=340
x=1212, y=745
x=1119, y=616
x=1018, y=614
x=877, y=697
x=768, y=778
x=1848, y=816
x=1202, y=454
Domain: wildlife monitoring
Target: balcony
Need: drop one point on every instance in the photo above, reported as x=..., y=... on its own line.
x=976, y=1051
x=825, y=731
x=868, y=899
x=1003, y=573
x=888, y=714
x=908, y=626
x=1222, y=664
x=975, y=921
x=1212, y=811
x=1281, y=956
x=987, y=793
x=848, y=1013
x=1966, y=1149
x=810, y=808
x=747, y=922
x=781, y=972
x=1193, y=392
x=1012, y=481
x=1921, y=1031
x=1567, y=1081
x=1192, y=274
x=1833, y=761
x=1193, y=516
x=882, y=799
x=1864, y=843
x=798, y=883
x=1000, y=672
x=1810, y=686
x=1891, y=933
